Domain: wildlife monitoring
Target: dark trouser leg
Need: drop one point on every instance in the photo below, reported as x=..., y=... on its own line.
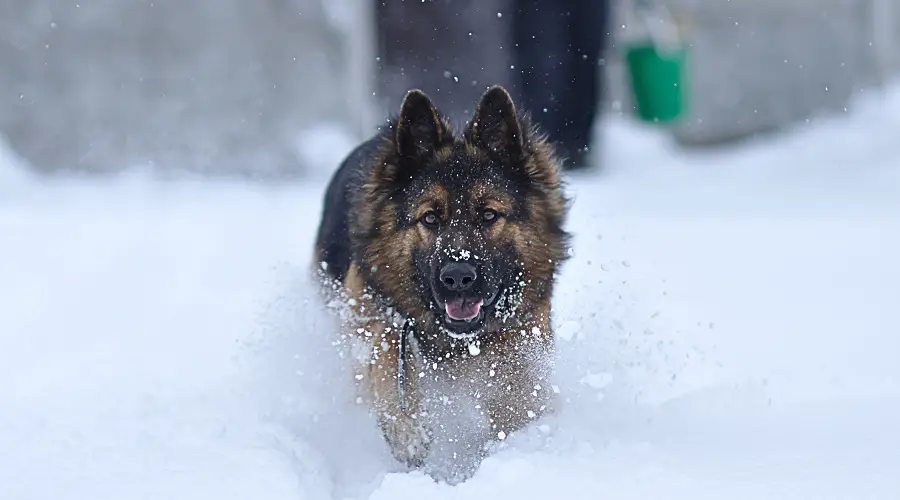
x=585, y=86
x=557, y=45
x=542, y=60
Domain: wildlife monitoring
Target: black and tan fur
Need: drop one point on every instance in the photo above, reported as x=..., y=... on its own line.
x=401, y=210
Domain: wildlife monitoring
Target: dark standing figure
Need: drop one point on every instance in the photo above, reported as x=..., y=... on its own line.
x=558, y=45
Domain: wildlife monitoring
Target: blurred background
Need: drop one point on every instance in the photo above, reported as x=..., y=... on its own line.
x=262, y=88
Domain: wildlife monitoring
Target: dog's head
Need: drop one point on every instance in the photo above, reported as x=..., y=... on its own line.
x=466, y=231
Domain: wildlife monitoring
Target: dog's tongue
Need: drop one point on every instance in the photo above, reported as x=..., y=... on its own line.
x=461, y=309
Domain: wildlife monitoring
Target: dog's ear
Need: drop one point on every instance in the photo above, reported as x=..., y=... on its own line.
x=496, y=127
x=419, y=130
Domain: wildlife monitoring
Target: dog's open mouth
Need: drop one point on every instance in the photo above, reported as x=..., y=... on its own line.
x=463, y=309
x=464, y=316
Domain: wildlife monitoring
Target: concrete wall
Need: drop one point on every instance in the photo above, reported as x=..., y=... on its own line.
x=201, y=85
x=755, y=65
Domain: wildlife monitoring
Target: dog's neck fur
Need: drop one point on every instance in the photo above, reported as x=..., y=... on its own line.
x=529, y=325
x=437, y=345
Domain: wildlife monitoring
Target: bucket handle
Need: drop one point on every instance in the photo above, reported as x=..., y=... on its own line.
x=660, y=25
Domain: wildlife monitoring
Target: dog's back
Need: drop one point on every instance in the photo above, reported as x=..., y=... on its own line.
x=333, y=239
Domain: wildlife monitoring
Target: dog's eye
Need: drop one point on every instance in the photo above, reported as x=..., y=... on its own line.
x=489, y=215
x=430, y=219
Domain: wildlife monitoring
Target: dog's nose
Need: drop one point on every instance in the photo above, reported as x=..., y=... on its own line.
x=458, y=276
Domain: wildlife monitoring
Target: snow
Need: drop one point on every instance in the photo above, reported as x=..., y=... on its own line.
x=727, y=330
x=13, y=175
x=323, y=147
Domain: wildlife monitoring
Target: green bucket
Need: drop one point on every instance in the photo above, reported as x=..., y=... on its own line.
x=657, y=81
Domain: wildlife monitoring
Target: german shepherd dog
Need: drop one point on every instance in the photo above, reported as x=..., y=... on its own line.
x=445, y=245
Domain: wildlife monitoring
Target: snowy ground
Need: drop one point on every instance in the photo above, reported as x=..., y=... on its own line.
x=728, y=331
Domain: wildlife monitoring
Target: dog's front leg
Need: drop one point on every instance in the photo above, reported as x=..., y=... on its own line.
x=398, y=411
x=398, y=414
x=521, y=367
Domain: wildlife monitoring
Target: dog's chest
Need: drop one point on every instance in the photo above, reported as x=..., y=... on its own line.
x=479, y=380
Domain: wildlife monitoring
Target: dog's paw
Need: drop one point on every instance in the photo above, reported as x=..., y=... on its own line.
x=407, y=438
